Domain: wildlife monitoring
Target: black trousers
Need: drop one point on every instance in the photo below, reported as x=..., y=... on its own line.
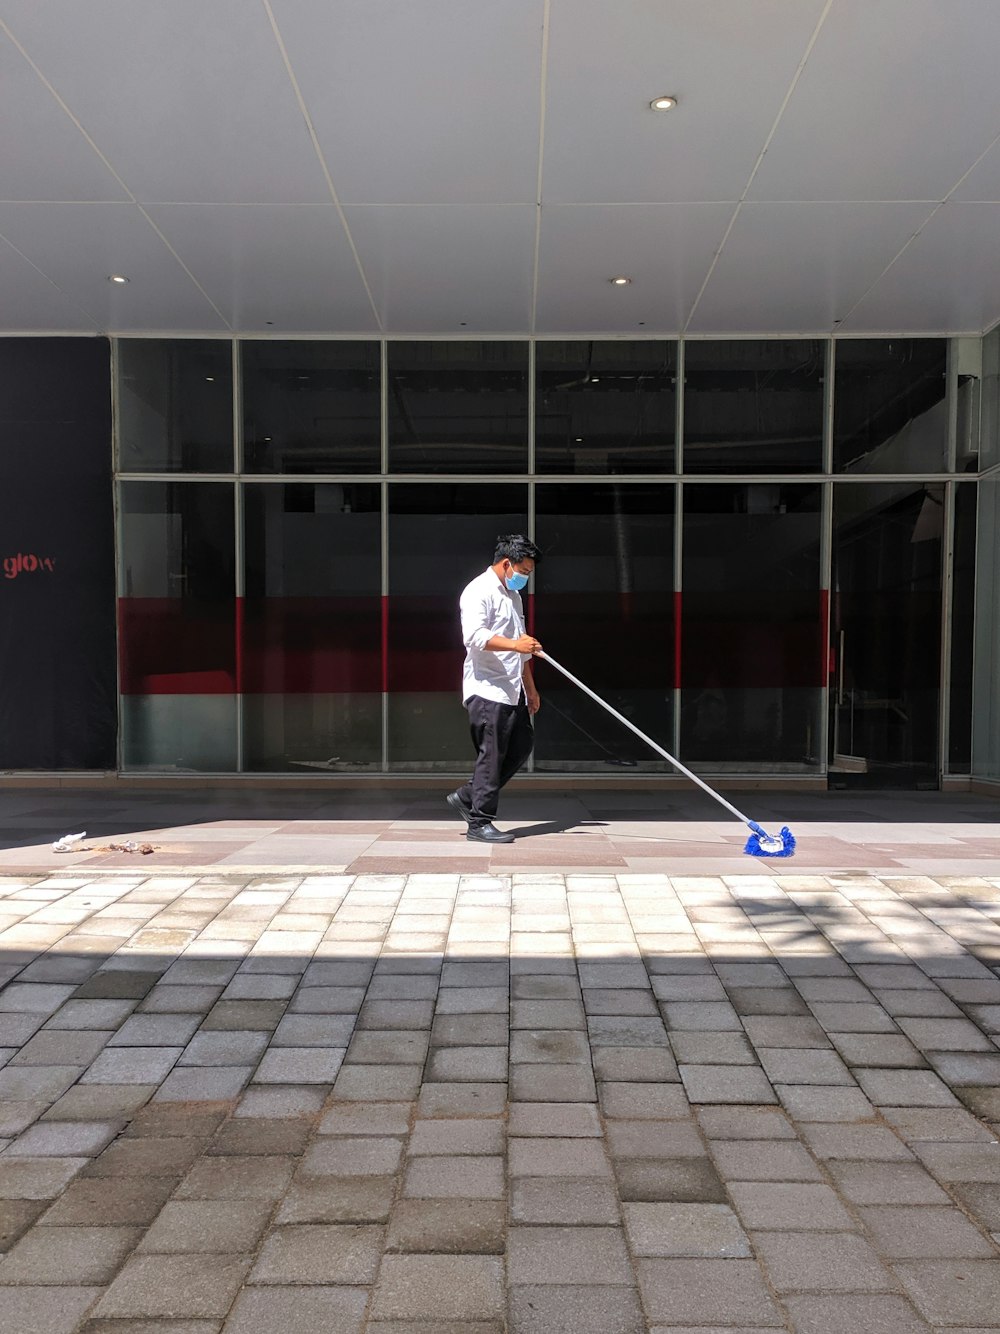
x=503, y=737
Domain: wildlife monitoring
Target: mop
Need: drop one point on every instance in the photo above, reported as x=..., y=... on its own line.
x=759, y=844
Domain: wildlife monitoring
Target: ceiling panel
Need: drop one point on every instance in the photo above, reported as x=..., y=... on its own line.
x=29, y=303
x=664, y=248
x=430, y=269
x=433, y=102
x=290, y=265
x=42, y=153
x=798, y=268
x=948, y=279
x=189, y=101
x=729, y=63
x=79, y=245
x=983, y=181
x=897, y=100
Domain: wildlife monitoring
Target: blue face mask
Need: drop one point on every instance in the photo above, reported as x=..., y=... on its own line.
x=515, y=582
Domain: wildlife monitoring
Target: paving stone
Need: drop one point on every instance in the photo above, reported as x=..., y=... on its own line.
x=750, y=1001
x=30, y=1083
x=16, y=1216
x=99, y=1102
x=934, y=1123
x=726, y=1084
x=476, y=1064
x=37, y=1178
x=33, y=997
x=206, y=1225
x=955, y=1068
x=245, y=1015
x=156, y=1030
x=174, y=1286
x=447, y=1226
x=764, y=1160
x=45, y=1310
x=726, y=1291
x=785, y=1031
x=387, y=1047
x=111, y=1202
x=74, y=1255
x=789, y=1206
x=387, y=1118
x=236, y=1179
x=679, y=1180
x=299, y=1065
x=906, y=1088
x=553, y=1119
x=713, y=1049
x=557, y=1200
x=117, y=984
x=789, y=1065
x=130, y=1065
x=364, y=1083
x=332, y=1199
x=161, y=1121
x=296, y=1310
x=823, y=1102
x=448, y=1100
x=654, y=1139
x=855, y=1142
x=319, y=1253
x=581, y=1309
x=470, y=1178
x=700, y=1016
x=546, y=988
x=567, y=1014
x=62, y=1048
x=885, y=1050
x=435, y=1327
x=247, y=986
x=632, y=1101
x=931, y=1233
x=961, y=1162
x=549, y=1046
x=179, y=1000
x=267, y=1102
x=557, y=1158
x=931, y=1004
x=982, y=1102
x=565, y=1255
x=187, y=1084
x=744, y=1123
x=64, y=1139
x=533, y=1082
x=949, y=1292
x=451, y=1136
x=148, y=1157
x=354, y=1155
x=981, y=1200
x=439, y=1287
x=684, y=1230
x=945, y=1035
x=327, y=1000
x=472, y=1030
x=886, y=1183
x=846, y=1314
x=827, y=1261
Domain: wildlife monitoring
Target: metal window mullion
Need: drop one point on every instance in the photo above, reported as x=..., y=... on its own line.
x=384, y=541
x=532, y=525
x=947, y=602
x=951, y=405
x=678, y=589
x=679, y=411
x=826, y=583
x=239, y=589
x=116, y=515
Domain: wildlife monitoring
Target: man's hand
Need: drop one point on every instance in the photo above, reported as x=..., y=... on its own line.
x=533, y=698
x=527, y=644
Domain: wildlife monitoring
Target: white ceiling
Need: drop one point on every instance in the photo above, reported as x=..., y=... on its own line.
x=447, y=167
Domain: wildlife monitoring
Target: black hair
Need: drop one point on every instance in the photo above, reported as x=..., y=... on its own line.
x=515, y=547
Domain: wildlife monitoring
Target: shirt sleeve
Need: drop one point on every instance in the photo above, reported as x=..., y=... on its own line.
x=476, y=629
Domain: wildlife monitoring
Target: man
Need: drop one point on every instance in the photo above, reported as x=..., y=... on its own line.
x=497, y=686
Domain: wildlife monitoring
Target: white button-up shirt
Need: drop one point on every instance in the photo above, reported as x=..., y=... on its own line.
x=490, y=608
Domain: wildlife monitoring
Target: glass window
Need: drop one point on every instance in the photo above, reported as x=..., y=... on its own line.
x=605, y=407
x=175, y=405
x=986, y=697
x=458, y=407
x=886, y=629
x=605, y=610
x=441, y=535
x=311, y=406
x=889, y=411
x=753, y=649
x=312, y=627
x=177, y=626
x=753, y=405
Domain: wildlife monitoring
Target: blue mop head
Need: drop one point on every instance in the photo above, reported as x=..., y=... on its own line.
x=762, y=844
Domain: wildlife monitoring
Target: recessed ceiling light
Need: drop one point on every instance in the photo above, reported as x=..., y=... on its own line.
x=210, y=379
x=117, y=278
x=579, y=440
x=620, y=281
x=665, y=103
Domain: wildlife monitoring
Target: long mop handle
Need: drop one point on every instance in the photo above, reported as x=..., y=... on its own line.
x=547, y=657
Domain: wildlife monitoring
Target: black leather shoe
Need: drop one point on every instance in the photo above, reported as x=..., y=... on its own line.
x=458, y=805
x=487, y=833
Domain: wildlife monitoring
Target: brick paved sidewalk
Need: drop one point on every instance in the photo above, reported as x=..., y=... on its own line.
x=541, y=1103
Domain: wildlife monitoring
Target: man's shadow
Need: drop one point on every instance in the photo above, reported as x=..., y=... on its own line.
x=555, y=827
